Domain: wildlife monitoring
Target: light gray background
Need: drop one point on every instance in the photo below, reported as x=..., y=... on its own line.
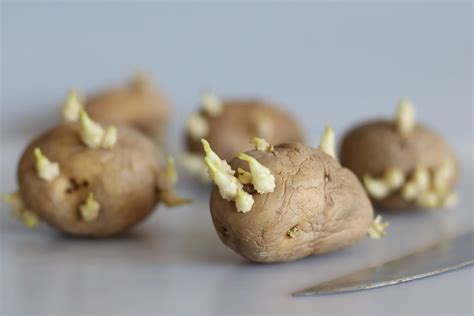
x=327, y=62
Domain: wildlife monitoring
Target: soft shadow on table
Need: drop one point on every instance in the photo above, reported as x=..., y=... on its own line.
x=204, y=247
x=253, y=280
x=197, y=240
x=189, y=238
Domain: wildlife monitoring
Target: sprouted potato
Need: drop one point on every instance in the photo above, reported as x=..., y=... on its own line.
x=402, y=164
x=88, y=180
x=285, y=202
x=138, y=104
x=229, y=124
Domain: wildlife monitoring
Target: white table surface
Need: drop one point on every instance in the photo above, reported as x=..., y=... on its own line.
x=326, y=62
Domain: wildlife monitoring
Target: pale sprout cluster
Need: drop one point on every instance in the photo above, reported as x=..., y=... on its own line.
x=231, y=187
x=197, y=125
x=377, y=228
x=211, y=104
x=46, y=170
x=222, y=175
x=244, y=176
x=167, y=180
x=260, y=177
x=405, y=117
x=379, y=188
x=170, y=175
x=20, y=211
x=72, y=107
x=424, y=187
x=90, y=209
x=92, y=133
x=261, y=144
x=328, y=142
x=195, y=164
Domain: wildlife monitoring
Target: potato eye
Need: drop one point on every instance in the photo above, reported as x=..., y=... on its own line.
x=75, y=185
x=224, y=231
x=327, y=177
x=292, y=232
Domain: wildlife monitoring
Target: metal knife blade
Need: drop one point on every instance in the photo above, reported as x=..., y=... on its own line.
x=444, y=256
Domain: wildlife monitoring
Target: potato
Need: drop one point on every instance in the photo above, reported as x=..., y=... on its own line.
x=402, y=164
x=314, y=206
x=137, y=104
x=230, y=124
x=87, y=181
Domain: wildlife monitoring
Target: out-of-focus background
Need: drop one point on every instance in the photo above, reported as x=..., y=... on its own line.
x=326, y=62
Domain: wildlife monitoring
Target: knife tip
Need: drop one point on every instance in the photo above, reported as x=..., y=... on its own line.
x=299, y=294
x=308, y=292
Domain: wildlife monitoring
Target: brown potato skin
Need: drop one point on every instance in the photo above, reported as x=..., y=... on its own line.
x=373, y=147
x=122, y=179
x=330, y=215
x=231, y=131
x=145, y=109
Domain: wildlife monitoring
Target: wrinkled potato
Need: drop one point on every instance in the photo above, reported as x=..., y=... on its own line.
x=87, y=181
x=137, y=104
x=402, y=164
x=311, y=205
x=229, y=124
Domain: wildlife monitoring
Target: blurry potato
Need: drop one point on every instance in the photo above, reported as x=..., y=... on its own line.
x=403, y=164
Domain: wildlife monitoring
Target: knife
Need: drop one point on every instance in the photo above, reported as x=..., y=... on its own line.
x=445, y=256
